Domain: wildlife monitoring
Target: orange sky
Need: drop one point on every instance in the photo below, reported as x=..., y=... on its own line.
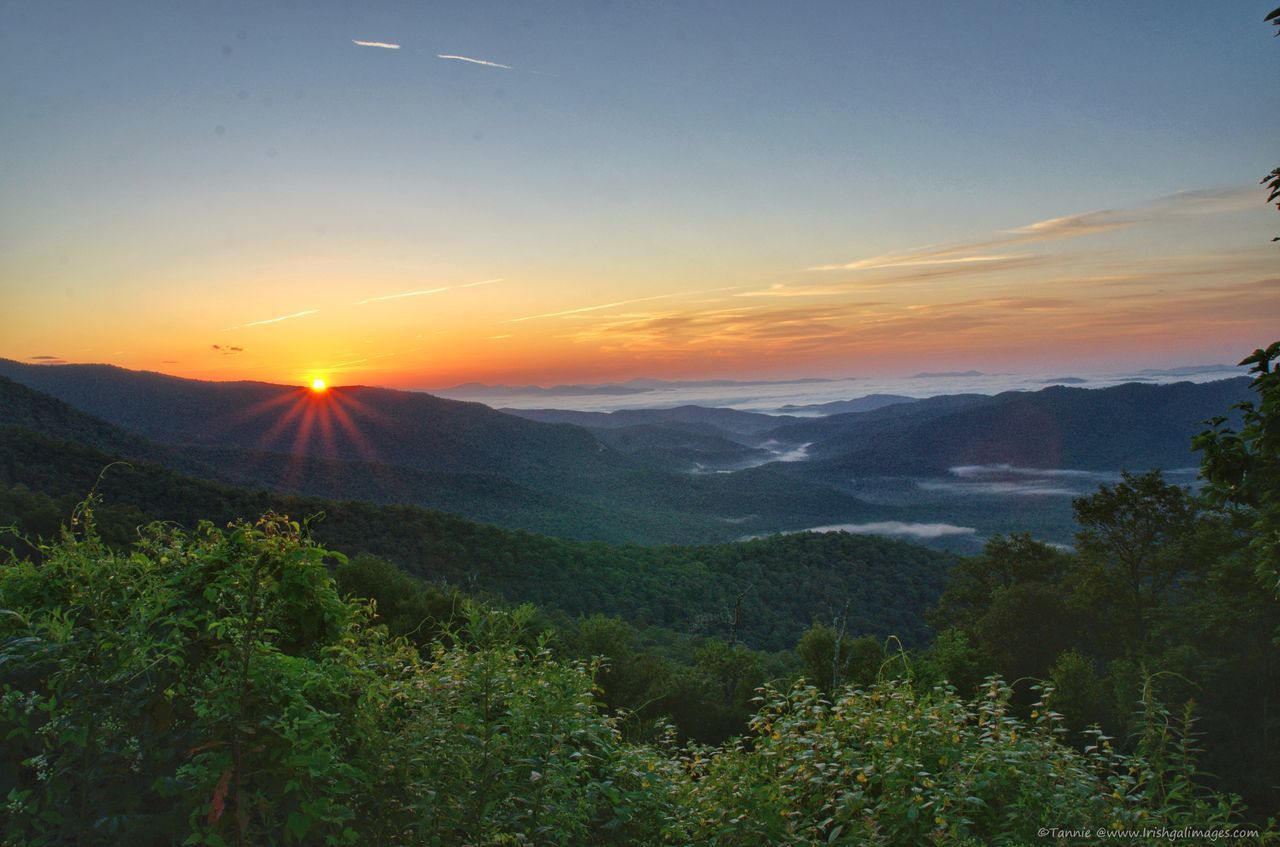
x=1151, y=284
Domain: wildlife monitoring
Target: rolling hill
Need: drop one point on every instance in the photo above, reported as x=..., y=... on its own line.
x=785, y=581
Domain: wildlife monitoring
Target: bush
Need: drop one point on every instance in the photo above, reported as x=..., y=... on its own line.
x=214, y=688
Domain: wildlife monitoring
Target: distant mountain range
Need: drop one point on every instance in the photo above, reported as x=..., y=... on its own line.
x=687, y=474
x=633, y=386
x=945, y=374
x=1132, y=426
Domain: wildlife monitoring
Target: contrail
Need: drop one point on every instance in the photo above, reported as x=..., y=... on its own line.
x=275, y=320
x=617, y=303
x=385, y=45
x=405, y=294
x=586, y=309
x=487, y=64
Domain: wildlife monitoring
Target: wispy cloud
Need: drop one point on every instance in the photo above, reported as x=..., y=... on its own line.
x=499, y=337
x=915, y=259
x=783, y=290
x=302, y=314
x=585, y=309
x=994, y=250
x=1068, y=226
x=47, y=360
x=385, y=45
x=225, y=350
x=421, y=293
x=615, y=304
x=484, y=62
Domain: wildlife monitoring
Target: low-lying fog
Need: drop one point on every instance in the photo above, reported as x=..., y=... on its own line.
x=771, y=397
x=960, y=511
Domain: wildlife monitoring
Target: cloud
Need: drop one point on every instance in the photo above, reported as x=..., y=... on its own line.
x=914, y=259
x=978, y=253
x=226, y=351
x=498, y=337
x=1022, y=488
x=1068, y=226
x=979, y=471
x=301, y=314
x=914, y=530
x=44, y=358
x=614, y=304
x=1209, y=200
x=783, y=290
x=484, y=62
x=402, y=294
x=765, y=331
x=585, y=309
x=385, y=45
x=425, y=292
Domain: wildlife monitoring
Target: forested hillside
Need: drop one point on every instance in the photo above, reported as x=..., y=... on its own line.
x=785, y=582
x=396, y=447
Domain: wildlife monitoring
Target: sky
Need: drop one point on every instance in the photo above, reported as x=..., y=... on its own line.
x=424, y=194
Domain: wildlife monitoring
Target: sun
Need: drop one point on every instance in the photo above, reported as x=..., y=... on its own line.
x=318, y=385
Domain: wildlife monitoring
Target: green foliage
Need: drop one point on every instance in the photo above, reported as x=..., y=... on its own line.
x=832, y=660
x=1135, y=547
x=211, y=687
x=891, y=765
x=1243, y=468
x=1158, y=594
x=1078, y=692
x=215, y=688
x=406, y=606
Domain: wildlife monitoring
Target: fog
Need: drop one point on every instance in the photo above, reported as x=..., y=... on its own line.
x=899, y=528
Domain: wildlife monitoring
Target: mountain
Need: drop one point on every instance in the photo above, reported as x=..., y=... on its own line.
x=730, y=422
x=785, y=582
x=1132, y=426
x=680, y=448
x=397, y=446
x=683, y=475
x=859, y=404
x=633, y=386
x=399, y=428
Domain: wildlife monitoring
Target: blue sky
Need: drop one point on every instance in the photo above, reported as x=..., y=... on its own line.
x=171, y=173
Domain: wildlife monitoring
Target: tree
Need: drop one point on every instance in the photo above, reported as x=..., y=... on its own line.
x=1242, y=468
x=1272, y=180
x=1006, y=561
x=832, y=659
x=1135, y=545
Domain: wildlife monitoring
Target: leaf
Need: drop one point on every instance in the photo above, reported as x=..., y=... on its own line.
x=220, y=797
x=297, y=826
